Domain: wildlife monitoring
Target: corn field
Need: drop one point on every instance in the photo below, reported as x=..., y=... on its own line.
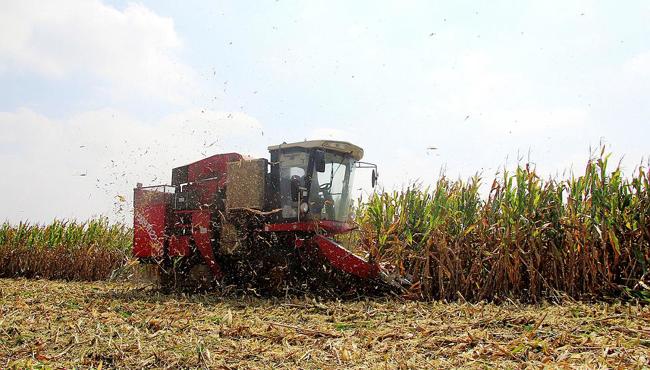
x=527, y=239
x=69, y=250
x=587, y=236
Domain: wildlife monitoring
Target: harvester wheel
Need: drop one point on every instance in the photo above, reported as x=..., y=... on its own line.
x=168, y=277
x=184, y=274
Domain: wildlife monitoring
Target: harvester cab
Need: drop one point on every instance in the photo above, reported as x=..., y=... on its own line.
x=313, y=179
x=228, y=219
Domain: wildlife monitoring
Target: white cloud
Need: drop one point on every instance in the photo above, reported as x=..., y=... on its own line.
x=44, y=159
x=128, y=51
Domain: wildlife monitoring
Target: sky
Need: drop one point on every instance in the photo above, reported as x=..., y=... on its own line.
x=96, y=96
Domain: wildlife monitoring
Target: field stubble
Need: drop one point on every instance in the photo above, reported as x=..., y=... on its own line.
x=124, y=325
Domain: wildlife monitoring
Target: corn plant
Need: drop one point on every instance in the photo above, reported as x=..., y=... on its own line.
x=529, y=238
x=63, y=249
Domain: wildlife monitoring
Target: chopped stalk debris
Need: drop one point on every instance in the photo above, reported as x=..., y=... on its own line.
x=40, y=329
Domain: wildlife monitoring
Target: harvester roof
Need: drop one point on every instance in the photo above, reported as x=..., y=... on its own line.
x=333, y=145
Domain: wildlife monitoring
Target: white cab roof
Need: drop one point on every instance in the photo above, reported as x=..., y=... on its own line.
x=333, y=145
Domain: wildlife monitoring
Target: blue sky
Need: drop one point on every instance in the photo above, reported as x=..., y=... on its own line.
x=123, y=91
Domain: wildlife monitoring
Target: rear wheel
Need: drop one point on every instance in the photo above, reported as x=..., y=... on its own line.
x=185, y=278
x=171, y=274
x=184, y=273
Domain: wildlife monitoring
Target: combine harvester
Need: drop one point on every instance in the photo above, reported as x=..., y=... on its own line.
x=255, y=223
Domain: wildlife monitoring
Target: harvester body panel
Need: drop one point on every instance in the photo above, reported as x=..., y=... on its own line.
x=151, y=214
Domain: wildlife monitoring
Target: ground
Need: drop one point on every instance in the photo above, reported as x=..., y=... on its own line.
x=46, y=324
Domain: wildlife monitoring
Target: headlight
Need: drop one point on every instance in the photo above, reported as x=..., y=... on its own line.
x=304, y=208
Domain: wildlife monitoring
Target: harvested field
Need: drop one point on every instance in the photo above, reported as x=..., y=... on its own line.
x=47, y=324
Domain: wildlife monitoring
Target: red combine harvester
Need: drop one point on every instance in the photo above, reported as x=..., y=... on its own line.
x=231, y=220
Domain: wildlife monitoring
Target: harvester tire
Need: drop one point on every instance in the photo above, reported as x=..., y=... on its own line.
x=167, y=278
